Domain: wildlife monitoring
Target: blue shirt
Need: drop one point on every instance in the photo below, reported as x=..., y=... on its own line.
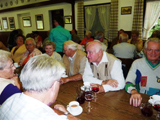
x=59, y=35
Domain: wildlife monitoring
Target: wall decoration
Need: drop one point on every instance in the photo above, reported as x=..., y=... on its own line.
x=16, y=1
x=6, y=4
x=68, y=19
x=22, y=1
x=0, y=26
x=126, y=10
x=1, y=5
x=11, y=3
x=11, y=23
x=4, y=22
x=26, y=21
x=39, y=22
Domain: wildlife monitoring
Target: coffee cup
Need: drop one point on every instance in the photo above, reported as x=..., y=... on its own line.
x=16, y=65
x=146, y=109
x=86, y=84
x=73, y=106
x=155, y=98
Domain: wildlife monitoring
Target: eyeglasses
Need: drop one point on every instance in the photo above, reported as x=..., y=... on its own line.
x=29, y=44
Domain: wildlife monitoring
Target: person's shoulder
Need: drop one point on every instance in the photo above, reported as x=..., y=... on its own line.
x=129, y=41
x=139, y=61
x=116, y=45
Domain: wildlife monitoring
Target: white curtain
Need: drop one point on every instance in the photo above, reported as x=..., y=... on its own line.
x=151, y=16
x=90, y=13
x=104, y=13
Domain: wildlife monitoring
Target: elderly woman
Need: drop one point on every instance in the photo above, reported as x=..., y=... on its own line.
x=30, y=52
x=9, y=83
x=18, y=50
x=87, y=38
x=50, y=47
x=136, y=41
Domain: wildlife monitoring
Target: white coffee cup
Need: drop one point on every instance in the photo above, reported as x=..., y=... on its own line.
x=73, y=106
x=86, y=84
x=16, y=65
x=155, y=98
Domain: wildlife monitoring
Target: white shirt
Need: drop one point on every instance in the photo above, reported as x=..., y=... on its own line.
x=116, y=74
x=124, y=50
x=22, y=107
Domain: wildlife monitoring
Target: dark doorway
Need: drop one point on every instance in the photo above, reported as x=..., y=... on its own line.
x=56, y=13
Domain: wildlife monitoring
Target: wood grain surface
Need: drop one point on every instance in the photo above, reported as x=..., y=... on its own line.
x=108, y=106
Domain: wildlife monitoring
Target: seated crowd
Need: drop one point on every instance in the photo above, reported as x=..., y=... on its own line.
x=65, y=61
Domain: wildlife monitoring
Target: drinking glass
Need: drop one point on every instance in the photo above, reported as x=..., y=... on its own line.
x=88, y=96
x=80, y=95
x=146, y=109
x=95, y=90
x=157, y=108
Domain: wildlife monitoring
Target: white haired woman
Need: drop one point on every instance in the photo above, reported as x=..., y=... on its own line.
x=9, y=83
x=87, y=38
x=50, y=47
x=31, y=51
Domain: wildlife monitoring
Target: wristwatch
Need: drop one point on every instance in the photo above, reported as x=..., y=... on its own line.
x=66, y=113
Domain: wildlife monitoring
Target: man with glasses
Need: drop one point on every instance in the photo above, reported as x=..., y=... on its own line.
x=9, y=82
x=144, y=75
x=40, y=79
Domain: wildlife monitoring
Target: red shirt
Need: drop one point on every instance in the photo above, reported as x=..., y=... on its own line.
x=85, y=41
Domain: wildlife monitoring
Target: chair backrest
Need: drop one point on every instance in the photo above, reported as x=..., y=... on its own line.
x=127, y=62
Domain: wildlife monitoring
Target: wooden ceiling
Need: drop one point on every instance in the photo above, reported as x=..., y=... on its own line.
x=38, y=5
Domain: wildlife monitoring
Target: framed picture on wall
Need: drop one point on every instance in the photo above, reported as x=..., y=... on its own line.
x=4, y=22
x=12, y=23
x=68, y=19
x=126, y=10
x=0, y=25
x=39, y=22
x=26, y=21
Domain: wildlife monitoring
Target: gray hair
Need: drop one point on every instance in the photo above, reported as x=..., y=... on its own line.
x=99, y=35
x=156, y=40
x=5, y=57
x=97, y=45
x=40, y=73
x=46, y=43
x=29, y=38
x=71, y=45
x=123, y=36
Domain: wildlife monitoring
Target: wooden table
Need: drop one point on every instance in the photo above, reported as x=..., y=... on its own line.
x=109, y=106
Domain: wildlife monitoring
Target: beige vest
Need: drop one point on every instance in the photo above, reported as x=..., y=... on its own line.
x=103, y=71
x=79, y=55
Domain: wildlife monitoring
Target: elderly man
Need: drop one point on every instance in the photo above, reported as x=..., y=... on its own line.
x=124, y=49
x=102, y=69
x=40, y=79
x=116, y=40
x=144, y=75
x=74, y=61
x=59, y=35
x=100, y=36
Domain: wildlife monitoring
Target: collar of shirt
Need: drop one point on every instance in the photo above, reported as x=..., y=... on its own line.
x=104, y=59
x=71, y=58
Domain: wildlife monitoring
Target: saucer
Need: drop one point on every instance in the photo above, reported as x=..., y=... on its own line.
x=78, y=112
x=83, y=88
x=151, y=101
